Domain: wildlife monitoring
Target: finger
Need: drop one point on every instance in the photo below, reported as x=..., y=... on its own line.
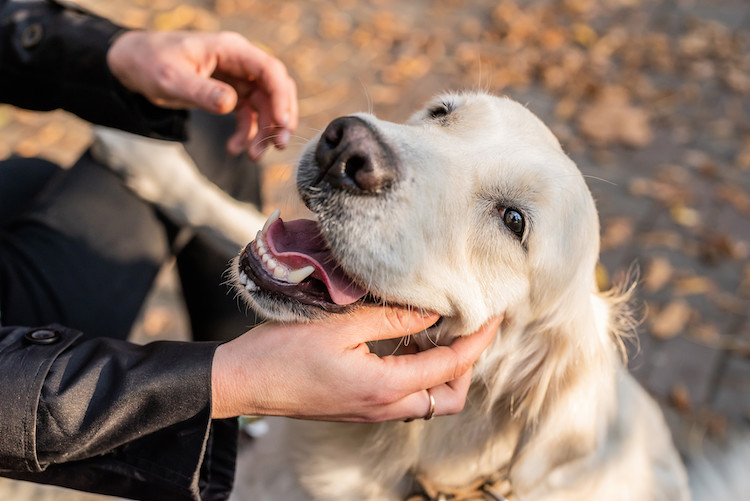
x=293, y=118
x=266, y=130
x=247, y=128
x=440, y=364
x=449, y=398
x=246, y=61
x=385, y=322
x=282, y=91
x=190, y=90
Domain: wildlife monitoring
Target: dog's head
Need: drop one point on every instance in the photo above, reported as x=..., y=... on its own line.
x=469, y=209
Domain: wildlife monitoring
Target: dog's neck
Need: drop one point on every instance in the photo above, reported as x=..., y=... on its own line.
x=539, y=376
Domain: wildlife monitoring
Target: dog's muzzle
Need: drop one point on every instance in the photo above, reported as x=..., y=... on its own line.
x=352, y=156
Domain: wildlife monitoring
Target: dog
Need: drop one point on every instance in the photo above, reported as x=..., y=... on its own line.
x=470, y=209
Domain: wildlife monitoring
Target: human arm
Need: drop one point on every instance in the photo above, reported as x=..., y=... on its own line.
x=219, y=72
x=61, y=57
x=136, y=421
x=325, y=370
x=56, y=57
x=109, y=416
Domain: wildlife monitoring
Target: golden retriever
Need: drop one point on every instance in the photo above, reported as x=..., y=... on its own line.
x=470, y=209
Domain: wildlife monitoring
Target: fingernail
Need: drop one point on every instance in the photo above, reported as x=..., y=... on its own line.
x=285, y=120
x=218, y=98
x=234, y=146
x=256, y=150
x=284, y=137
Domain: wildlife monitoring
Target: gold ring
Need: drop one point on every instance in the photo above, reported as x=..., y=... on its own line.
x=430, y=412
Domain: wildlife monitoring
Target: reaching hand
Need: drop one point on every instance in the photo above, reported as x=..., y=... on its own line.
x=219, y=72
x=325, y=370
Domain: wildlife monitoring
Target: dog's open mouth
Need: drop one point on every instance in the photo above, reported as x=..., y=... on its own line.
x=291, y=258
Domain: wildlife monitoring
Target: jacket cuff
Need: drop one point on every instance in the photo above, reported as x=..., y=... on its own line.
x=112, y=417
x=55, y=56
x=26, y=356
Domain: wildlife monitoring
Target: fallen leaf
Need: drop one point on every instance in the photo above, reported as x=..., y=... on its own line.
x=692, y=286
x=680, y=398
x=685, y=216
x=671, y=320
x=658, y=273
x=611, y=119
x=616, y=232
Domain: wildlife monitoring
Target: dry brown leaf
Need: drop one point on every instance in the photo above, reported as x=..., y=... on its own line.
x=680, y=398
x=742, y=160
x=601, y=275
x=616, y=232
x=706, y=333
x=671, y=320
x=658, y=273
x=692, y=286
x=178, y=18
x=665, y=239
x=685, y=216
x=334, y=26
x=736, y=196
x=611, y=119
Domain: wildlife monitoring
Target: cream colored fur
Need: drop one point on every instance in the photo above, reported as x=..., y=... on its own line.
x=550, y=398
x=162, y=173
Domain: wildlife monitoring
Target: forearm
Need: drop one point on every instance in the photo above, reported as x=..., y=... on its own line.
x=109, y=407
x=55, y=57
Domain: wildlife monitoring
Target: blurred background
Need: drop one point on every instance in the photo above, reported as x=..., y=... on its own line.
x=651, y=99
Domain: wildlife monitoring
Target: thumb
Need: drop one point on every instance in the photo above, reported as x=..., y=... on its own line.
x=207, y=93
x=389, y=322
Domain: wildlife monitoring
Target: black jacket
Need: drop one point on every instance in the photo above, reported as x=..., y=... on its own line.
x=100, y=415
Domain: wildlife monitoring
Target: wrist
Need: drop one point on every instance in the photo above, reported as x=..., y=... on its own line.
x=118, y=56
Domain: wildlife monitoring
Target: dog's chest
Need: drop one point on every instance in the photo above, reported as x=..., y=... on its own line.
x=465, y=449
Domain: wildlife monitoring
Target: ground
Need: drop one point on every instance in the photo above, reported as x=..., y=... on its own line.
x=651, y=99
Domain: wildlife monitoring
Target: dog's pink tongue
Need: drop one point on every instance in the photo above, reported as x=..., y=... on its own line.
x=298, y=243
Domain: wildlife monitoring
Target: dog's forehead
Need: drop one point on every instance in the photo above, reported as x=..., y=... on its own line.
x=491, y=116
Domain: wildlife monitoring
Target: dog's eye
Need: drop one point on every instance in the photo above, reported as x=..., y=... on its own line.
x=439, y=111
x=513, y=219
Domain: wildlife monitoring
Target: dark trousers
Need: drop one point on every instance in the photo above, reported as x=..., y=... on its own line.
x=79, y=249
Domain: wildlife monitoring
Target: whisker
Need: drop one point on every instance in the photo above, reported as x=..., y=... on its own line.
x=588, y=176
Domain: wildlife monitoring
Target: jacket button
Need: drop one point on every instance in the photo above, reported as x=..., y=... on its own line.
x=42, y=336
x=31, y=35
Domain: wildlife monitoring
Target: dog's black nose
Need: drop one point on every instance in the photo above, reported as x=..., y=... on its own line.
x=351, y=155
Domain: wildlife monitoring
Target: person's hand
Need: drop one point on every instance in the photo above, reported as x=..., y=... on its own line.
x=325, y=370
x=219, y=72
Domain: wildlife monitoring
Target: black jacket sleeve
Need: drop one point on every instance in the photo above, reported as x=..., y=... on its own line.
x=112, y=417
x=53, y=56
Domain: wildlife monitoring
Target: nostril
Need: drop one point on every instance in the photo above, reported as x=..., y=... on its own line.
x=333, y=135
x=353, y=165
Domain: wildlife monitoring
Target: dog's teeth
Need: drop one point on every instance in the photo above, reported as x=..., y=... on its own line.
x=280, y=272
x=271, y=263
x=296, y=276
x=243, y=278
x=273, y=217
x=265, y=258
